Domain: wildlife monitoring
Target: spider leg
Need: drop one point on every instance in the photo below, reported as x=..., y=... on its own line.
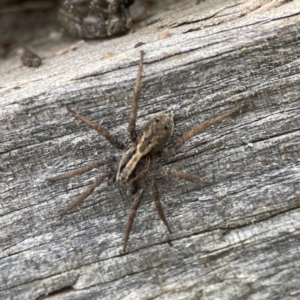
x=135, y=99
x=87, y=192
x=134, y=206
x=111, y=179
x=181, y=175
x=158, y=205
x=96, y=164
x=113, y=141
x=200, y=128
x=133, y=188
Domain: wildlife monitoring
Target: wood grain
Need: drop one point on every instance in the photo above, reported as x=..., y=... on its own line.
x=235, y=238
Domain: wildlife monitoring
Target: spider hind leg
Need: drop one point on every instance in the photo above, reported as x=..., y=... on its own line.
x=201, y=127
x=135, y=100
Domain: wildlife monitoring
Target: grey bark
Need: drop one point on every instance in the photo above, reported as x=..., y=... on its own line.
x=235, y=238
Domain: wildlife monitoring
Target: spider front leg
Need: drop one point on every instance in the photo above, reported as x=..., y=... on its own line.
x=181, y=175
x=113, y=141
x=158, y=205
x=187, y=136
x=89, y=191
x=96, y=164
x=135, y=100
x=134, y=207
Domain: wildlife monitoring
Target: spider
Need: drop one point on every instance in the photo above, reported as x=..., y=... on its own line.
x=138, y=162
x=92, y=19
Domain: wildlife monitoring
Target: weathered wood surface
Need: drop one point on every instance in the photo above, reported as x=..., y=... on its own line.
x=236, y=238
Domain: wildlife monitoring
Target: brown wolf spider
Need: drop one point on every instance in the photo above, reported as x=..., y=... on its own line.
x=135, y=166
x=92, y=19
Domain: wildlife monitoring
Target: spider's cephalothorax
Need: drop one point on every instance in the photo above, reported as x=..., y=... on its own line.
x=137, y=164
x=153, y=137
x=92, y=19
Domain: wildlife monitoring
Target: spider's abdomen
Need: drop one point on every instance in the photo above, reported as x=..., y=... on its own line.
x=155, y=134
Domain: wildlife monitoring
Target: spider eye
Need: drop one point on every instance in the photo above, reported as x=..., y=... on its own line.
x=166, y=127
x=127, y=3
x=156, y=120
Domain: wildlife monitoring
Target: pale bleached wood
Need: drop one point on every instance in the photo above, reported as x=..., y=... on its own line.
x=235, y=238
